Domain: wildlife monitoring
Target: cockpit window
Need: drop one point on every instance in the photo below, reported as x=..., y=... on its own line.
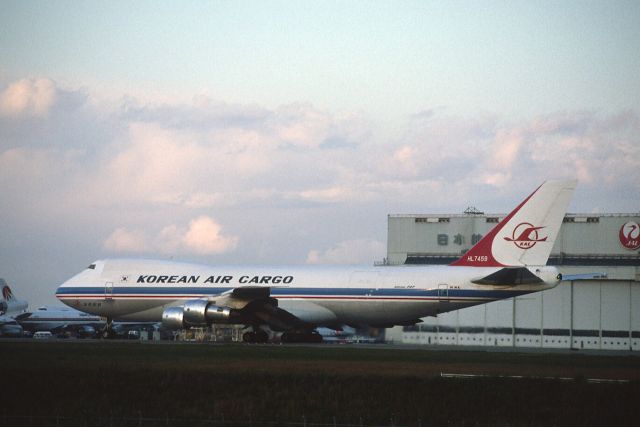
x=92, y=267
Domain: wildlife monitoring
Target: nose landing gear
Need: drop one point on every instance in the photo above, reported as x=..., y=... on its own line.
x=108, y=332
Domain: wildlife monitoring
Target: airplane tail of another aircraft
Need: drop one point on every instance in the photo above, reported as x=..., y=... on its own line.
x=7, y=294
x=526, y=236
x=9, y=303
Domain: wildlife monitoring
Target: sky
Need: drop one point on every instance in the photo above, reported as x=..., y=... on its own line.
x=272, y=132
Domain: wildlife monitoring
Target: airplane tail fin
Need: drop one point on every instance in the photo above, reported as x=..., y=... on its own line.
x=7, y=295
x=9, y=303
x=526, y=236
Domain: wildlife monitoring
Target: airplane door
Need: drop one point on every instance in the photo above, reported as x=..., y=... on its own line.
x=443, y=293
x=108, y=290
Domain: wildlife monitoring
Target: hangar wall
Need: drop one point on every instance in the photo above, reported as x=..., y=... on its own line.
x=589, y=314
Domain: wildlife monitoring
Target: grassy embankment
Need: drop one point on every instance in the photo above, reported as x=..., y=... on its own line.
x=275, y=383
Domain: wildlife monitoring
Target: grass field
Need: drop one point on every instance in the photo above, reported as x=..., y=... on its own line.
x=106, y=383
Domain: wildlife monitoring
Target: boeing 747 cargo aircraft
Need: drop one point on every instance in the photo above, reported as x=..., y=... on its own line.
x=509, y=261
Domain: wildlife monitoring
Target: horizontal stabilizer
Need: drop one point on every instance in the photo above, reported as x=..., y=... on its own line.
x=585, y=276
x=509, y=276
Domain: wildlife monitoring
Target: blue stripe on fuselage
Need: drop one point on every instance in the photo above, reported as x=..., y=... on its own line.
x=303, y=292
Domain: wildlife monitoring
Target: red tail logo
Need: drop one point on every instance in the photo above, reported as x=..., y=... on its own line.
x=6, y=293
x=527, y=236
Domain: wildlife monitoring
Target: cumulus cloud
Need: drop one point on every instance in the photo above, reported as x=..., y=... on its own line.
x=123, y=240
x=28, y=96
x=203, y=236
x=358, y=251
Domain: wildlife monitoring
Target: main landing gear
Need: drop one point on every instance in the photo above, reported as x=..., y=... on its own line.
x=257, y=336
x=260, y=336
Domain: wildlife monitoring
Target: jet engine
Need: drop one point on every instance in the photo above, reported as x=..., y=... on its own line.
x=197, y=312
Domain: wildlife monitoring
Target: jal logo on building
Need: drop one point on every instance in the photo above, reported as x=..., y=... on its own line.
x=525, y=235
x=630, y=235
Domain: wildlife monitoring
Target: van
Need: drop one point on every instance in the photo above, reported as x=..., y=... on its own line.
x=42, y=335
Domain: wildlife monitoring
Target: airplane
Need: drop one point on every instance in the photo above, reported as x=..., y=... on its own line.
x=10, y=307
x=66, y=321
x=61, y=320
x=509, y=261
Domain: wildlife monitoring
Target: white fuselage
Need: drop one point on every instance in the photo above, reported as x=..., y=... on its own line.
x=135, y=290
x=52, y=318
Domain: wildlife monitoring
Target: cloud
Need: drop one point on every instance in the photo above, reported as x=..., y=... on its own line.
x=328, y=195
x=123, y=240
x=291, y=184
x=28, y=96
x=506, y=148
x=210, y=154
x=358, y=251
x=203, y=236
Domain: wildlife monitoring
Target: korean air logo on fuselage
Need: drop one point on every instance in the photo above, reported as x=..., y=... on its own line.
x=525, y=235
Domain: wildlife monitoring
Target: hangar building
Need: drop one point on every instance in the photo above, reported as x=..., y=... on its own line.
x=586, y=314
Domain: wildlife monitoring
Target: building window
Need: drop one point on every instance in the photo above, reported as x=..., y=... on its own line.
x=593, y=219
x=492, y=219
x=569, y=219
x=443, y=219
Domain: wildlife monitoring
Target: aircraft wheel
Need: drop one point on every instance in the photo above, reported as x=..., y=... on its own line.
x=108, y=334
x=249, y=337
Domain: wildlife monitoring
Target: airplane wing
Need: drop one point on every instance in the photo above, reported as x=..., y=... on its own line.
x=257, y=305
x=251, y=292
x=269, y=313
x=251, y=305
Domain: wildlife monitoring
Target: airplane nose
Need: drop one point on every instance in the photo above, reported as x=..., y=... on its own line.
x=61, y=292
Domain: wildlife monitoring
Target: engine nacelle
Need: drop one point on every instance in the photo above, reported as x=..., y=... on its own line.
x=197, y=312
x=172, y=318
x=217, y=314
